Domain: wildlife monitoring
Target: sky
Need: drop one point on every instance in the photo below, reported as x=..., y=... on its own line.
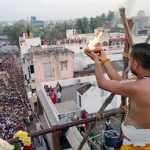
x=65, y=9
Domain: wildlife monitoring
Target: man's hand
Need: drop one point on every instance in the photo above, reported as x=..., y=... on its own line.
x=103, y=57
x=97, y=53
x=100, y=52
x=94, y=56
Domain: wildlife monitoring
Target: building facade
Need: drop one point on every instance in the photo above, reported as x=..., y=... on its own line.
x=53, y=63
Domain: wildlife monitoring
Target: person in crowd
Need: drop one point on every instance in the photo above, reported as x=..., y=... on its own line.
x=59, y=96
x=53, y=96
x=51, y=89
x=58, y=87
x=84, y=115
x=108, y=124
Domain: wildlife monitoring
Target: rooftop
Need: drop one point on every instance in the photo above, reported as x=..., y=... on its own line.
x=84, y=88
x=8, y=48
x=118, y=65
x=49, y=50
x=68, y=105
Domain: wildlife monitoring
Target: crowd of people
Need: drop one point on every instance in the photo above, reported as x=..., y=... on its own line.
x=15, y=110
x=55, y=94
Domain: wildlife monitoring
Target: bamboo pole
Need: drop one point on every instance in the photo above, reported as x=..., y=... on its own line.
x=148, y=39
x=128, y=25
x=55, y=128
x=98, y=114
x=97, y=146
x=86, y=135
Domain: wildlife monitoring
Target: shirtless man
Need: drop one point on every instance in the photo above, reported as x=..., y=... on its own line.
x=137, y=124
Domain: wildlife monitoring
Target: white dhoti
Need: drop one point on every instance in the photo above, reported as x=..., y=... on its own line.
x=135, y=138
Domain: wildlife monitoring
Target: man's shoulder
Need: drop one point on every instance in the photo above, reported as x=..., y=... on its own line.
x=136, y=81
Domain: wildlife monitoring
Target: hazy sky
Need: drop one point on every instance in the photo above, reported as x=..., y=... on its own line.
x=63, y=9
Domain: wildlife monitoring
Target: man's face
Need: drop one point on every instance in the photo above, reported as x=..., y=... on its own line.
x=133, y=66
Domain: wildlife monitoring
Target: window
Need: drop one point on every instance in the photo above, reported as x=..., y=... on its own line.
x=117, y=42
x=79, y=100
x=29, y=72
x=64, y=65
x=25, y=76
x=110, y=43
x=47, y=71
x=32, y=68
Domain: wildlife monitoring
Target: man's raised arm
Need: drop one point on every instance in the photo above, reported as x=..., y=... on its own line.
x=112, y=73
x=117, y=87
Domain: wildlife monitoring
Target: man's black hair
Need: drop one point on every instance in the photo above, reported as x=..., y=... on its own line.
x=141, y=52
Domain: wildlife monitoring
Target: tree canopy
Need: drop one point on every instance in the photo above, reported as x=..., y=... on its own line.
x=56, y=31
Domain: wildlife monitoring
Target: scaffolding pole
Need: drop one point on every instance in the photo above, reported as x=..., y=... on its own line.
x=148, y=39
x=128, y=26
x=98, y=117
x=55, y=128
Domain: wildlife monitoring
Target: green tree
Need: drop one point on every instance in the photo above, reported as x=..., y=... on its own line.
x=102, y=19
x=13, y=32
x=78, y=25
x=110, y=16
x=1, y=30
x=55, y=32
x=83, y=25
x=92, y=24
